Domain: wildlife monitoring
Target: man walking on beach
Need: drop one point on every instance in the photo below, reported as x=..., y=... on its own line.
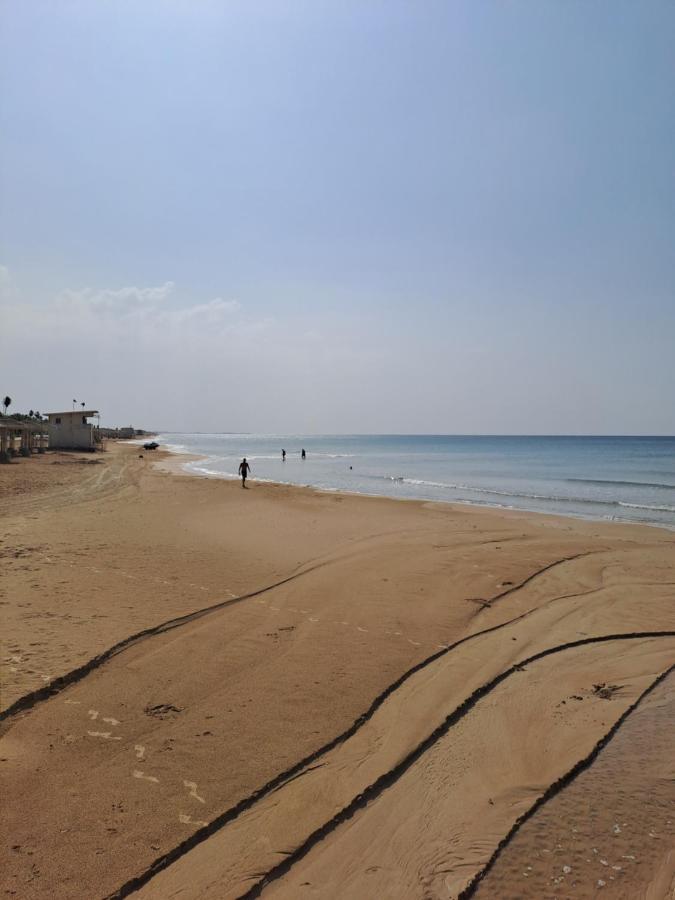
x=244, y=469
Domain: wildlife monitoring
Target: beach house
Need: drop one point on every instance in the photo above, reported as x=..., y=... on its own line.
x=72, y=431
x=21, y=436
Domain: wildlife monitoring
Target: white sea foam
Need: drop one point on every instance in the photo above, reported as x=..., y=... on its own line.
x=655, y=507
x=177, y=448
x=212, y=473
x=556, y=498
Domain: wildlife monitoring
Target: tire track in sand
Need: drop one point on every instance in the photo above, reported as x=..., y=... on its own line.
x=300, y=767
x=54, y=687
x=388, y=779
x=558, y=786
x=40, y=695
x=294, y=771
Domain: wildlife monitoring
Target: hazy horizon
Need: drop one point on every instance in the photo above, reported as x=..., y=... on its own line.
x=401, y=434
x=383, y=218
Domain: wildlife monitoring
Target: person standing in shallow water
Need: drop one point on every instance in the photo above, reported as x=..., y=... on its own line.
x=283, y=456
x=244, y=469
x=303, y=454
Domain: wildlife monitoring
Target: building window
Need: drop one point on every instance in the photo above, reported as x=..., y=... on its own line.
x=57, y=420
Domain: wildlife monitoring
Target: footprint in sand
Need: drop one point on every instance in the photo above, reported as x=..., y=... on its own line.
x=188, y=820
x=139, y=750
x=94, y=714
x=138, y=774
x=192, y=787
x=106, y=735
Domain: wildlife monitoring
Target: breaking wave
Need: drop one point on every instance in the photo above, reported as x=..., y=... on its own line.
x=609, y=481
x=551, y=498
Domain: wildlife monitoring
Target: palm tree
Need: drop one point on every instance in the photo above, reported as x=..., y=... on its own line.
x=6, y=403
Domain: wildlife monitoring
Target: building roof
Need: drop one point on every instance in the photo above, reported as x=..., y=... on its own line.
x=75, y=412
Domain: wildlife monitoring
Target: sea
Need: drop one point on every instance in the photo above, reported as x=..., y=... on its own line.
x=625, y=479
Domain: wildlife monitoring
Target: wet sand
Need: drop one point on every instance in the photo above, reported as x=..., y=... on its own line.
x=612, y=829
x=305, y=721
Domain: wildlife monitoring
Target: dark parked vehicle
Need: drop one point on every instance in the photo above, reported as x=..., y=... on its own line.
x=151, y=445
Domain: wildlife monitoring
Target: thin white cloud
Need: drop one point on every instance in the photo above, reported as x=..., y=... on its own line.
x=135, y=351
x=140, y=315
x=118, y=302
x=214, y=311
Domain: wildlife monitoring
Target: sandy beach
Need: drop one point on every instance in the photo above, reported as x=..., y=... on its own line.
x=216, y=693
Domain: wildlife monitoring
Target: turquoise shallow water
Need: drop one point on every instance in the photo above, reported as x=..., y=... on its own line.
x=623, y=478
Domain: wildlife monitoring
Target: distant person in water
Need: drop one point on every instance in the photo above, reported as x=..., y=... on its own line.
x=244, y=469
x=303, y=454
x=283, y=456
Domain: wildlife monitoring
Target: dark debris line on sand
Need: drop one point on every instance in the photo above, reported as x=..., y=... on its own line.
x=558, y=785
x=388, y=778
x=224, y=818
x=63, y=681
x=58, y=684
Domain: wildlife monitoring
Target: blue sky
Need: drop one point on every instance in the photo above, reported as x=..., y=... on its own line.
x=341, y=216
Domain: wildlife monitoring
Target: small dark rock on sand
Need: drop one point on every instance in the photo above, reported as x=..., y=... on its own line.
x=162, y=710
x=606, y=691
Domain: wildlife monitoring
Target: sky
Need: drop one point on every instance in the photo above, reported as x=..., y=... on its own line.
x=340, y=216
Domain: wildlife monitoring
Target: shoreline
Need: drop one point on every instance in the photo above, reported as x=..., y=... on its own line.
x=181, y=468
x=319, y=639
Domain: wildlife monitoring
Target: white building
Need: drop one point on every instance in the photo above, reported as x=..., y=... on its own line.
x=72, y=431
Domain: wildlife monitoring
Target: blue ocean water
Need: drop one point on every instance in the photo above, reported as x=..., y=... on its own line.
x=624, y=478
